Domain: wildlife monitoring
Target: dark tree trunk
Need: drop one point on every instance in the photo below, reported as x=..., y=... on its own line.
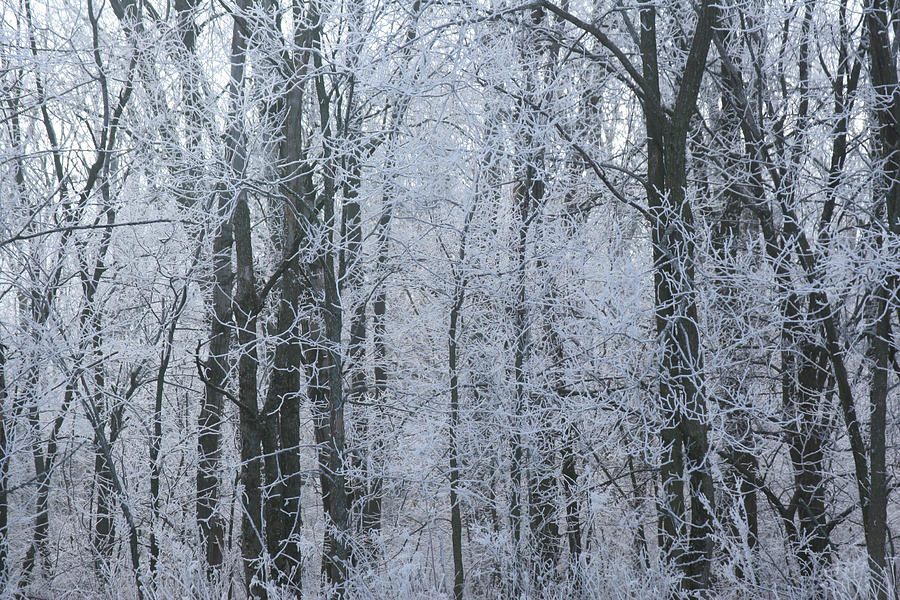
x=379, y=355
x=367, y=507
x=5, y=430
x=246, y=310
x=209, y=437
x=209, y=519
x=883, y=71
x=322, y=361
x=804, y=380
x=684, y=436
x=742, y=465
x=455, y=512
x=156, y=435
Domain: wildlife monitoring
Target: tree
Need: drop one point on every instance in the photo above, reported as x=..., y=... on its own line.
x=364, y=300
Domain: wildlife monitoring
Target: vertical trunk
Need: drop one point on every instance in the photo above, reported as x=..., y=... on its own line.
x=570, y=493
x=38, y=550
x=543, y=505
x=282, y=418
x=246, y=303
x=209, y=520
x=339, y=499
x=883, y=72
x=324, y=353
x=684, y=433
x=455, y=513
x=807, y=451
x=285, y=384
x=156, y=434
x=367, y=506
x=543, y=489
x=155, y=445
x=742, y=464
x=323, y=365
x=235, y=228
x=638, y=491
x=804, y=379
x=520, y=345
x=379, y=352
x=5, y=429
x=543, y=465
x=459, y=292
x=671, y=505
x=104, y=523
x=104, y=514
x=876, y=528
x=321, y=332
x=280, y=434
x=683, y=402
x=566, y=426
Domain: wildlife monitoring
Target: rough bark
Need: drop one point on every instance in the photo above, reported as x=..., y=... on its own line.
x=883, y=72
x=684, y=434
x=455, y=511
x=209, y=438
x=5, y=427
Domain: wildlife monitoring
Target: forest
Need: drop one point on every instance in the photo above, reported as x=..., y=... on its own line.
x=449, y=299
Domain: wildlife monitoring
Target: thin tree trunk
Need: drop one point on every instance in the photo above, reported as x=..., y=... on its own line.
x=542, y=466
x=455, y=513
x=368, y=507
x=520, y=346
x=253, y=529
x=322, y=360
x=323, y=355
x=883, y=71
x=100, y=438
x=876, y=528
x=456, y=526
x=209, y=520
x=5, y=429
x=156, y=434
x=570, y=493
x=209, y=440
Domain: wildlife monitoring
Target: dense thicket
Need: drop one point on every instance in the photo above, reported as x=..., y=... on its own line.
x=326, y=298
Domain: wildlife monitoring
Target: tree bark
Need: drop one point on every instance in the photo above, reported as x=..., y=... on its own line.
x=5, y=429
x=684, y=435
x=883, y=71
x=209, y=519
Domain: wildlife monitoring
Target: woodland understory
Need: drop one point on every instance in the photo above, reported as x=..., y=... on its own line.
x=460, y=299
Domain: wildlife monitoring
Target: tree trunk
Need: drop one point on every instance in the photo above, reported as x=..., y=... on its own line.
x=5, y=430
x=682, y=402
x=209, y=437
x=883, y=71
x=323, y=366
x=455, y=512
